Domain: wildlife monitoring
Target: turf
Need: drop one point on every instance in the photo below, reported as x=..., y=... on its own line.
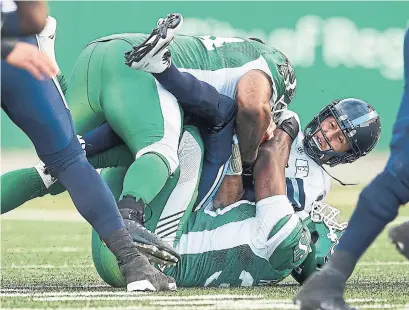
x=46, y=263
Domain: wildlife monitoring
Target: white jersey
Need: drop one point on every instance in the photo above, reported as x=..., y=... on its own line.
x=306, y=181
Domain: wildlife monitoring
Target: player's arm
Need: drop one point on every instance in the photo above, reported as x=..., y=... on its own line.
x=253, y=116
x=269, y=170
x=29, y=18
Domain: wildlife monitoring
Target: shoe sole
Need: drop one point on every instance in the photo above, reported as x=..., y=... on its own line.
x=148, y=241
x=155, y=255
x=168, y=29
x=164, y=33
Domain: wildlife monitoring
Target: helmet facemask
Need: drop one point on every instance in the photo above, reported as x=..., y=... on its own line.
x=322, y=212
x=326, y=229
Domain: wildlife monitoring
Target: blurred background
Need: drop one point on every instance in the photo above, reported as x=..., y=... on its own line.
x=339, y=49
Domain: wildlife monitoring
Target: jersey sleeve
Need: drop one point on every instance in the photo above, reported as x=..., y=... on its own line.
x=288, y=241
x=273, y=59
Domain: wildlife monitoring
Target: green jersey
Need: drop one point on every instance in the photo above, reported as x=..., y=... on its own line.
x=220, y=61
x=244, y=244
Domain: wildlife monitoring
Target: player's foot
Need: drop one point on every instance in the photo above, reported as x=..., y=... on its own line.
x=399, y=236
x=140, y=275
x=323, y=291
x=47, y=39
x=157, y=250
x=153, y=55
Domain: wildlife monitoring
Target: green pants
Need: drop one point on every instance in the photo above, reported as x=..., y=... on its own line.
x=102, y=88
x=169, y=210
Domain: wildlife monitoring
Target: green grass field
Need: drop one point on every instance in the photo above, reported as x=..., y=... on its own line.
x=46, y=263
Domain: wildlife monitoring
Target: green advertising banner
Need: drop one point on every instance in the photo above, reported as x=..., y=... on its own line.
x=339, y=49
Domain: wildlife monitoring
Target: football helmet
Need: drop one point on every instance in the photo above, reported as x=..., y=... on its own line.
x=360, y=124
x=326, y=230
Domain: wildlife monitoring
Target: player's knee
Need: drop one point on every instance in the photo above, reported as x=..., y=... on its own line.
x=383, y=196
x=165, y=151
x=58, y=162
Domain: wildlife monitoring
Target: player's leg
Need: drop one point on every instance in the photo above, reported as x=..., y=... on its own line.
x=169, y=210
x=377, y=206
x=177, y=198
x=103, y=149
x=148, y=119
x=22, y=185
x=104, y=261
x=216, y=111
x=38, y=108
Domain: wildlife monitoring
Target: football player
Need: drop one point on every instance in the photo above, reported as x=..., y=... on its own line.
x=141, y=113
x=31, y=99
x=290, y=163
x=262, y=239
x=378, y=205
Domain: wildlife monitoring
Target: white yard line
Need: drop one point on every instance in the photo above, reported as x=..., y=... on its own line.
x=65, y=266
x=380, y=263
x=212, y=302
x=208, y=302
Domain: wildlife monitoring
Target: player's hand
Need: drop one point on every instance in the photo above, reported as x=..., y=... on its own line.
x=269, y=132
x=28, y=57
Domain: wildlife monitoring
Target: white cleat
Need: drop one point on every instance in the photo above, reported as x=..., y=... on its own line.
x=153, y=55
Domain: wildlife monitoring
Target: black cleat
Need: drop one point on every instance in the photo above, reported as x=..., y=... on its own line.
x=140, y=275
x=151, y=244
x=399, y=235
x=157, y=250
x=153, y=55
x=323, y=291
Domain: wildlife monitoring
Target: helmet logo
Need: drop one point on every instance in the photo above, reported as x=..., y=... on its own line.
x=303, y=246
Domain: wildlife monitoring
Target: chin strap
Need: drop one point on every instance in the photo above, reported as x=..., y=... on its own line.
x=339, y=181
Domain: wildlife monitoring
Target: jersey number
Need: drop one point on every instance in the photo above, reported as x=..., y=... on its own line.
x=245, y=277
